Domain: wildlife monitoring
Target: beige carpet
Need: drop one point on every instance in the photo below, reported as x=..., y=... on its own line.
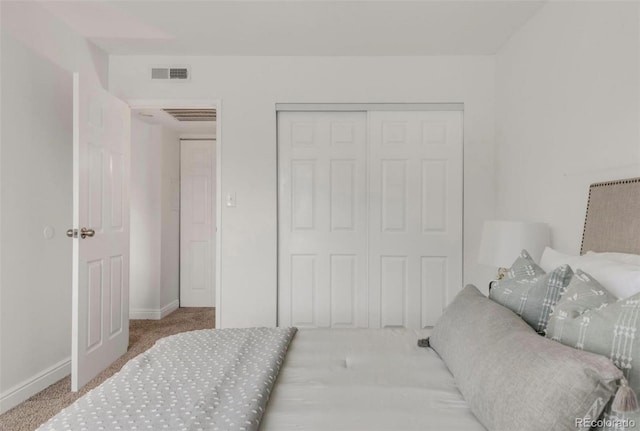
x=142, y=334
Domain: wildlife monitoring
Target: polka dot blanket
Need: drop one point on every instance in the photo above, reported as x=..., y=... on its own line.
x=212, y=379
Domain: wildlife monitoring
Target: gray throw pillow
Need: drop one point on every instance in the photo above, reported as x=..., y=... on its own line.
x=514, y=379
x=590, y=318
x=524, y=266
x=529, y=292
x=583, y=293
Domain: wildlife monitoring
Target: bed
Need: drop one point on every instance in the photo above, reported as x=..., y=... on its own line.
x=279, y=379
x=365, y=379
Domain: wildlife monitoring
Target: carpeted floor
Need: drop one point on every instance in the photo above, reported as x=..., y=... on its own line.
x=142, y=334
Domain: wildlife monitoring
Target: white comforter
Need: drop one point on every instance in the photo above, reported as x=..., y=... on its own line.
x=365, y=380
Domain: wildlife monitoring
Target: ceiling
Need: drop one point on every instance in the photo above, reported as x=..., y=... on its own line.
x=296, y=27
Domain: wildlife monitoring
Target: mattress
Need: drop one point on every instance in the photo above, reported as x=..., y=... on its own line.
x=365, y=379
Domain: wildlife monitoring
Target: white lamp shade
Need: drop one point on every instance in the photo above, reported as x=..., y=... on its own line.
x=502, y=241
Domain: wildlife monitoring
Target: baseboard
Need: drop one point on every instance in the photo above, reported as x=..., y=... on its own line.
x=23, y=391
x=169, y=308
x=154, y=314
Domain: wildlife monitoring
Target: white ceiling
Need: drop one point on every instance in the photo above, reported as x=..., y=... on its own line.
x=297, y=27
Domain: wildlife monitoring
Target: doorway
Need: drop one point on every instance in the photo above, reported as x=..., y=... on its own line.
x=173, y=207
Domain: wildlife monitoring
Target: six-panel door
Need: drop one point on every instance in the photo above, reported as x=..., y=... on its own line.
x=415, y=218
x=197, y=224
x=100, y=321
x=323, y=219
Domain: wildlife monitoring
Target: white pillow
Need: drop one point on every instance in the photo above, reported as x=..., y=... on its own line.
x=551, y=259
x=619, y=278
x=633, y=259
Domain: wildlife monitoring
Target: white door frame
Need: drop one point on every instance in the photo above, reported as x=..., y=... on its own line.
x=210, y=104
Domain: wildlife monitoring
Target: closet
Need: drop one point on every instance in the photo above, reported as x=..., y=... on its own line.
x=369, y=216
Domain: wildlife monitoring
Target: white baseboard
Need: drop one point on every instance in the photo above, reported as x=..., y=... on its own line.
x=169, y=308
x=26, y=389
x=154, y=314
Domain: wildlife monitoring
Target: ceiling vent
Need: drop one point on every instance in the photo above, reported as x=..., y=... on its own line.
x=192, y=114
x=171, y=73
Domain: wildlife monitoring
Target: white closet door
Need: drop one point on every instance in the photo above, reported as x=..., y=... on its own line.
x=197, y=224
x=370, y=217
x=415, y=251
x=322, y=219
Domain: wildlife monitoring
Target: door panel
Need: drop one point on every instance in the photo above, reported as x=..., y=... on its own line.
x=197, y=223
x=393, y=206
x=393, y=286
x=433, y=274
x=303, y=277
x=343, y=289
x=101, y=202
x=322, y=212
x=415, y=181
x=117, y=290
x=434, y=196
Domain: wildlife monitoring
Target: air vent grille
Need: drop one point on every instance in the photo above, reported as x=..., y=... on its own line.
x=178, y=73
x=192, y=114
x=170, y=73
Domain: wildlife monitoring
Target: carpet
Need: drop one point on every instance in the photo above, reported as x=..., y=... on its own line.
x=142, y=335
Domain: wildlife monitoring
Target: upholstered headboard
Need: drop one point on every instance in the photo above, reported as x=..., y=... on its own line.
x=612, y=222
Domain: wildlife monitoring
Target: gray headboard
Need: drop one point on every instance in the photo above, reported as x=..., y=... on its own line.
x=612, y=222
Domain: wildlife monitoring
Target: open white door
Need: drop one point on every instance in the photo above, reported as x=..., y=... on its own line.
x=101, y=231
x=197, y=223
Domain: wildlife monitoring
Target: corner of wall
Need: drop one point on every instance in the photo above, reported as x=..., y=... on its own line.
x=566, y=83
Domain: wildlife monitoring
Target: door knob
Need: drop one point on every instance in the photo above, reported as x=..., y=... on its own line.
x=72, y=233
x=84, y=232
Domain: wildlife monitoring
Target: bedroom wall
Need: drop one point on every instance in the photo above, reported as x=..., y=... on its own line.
x=35, y=278
x=170, y=230
x=567, y=112
x=249, y=88
x=154, y=269
x=144, y=272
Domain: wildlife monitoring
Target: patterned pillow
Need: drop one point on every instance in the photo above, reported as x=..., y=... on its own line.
x=524, y=266
x=583, y=293
x=590, y=318
x=529, y=292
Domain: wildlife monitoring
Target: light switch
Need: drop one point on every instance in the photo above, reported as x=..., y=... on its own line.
x=231, y=200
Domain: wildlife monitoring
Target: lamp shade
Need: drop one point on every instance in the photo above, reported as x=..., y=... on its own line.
x=502, y=241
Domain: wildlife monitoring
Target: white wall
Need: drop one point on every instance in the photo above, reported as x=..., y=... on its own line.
x=170, y=231
x=36, y=180
x=567, y=112
x=249, y=88
x=155, y=230
x=146, y=201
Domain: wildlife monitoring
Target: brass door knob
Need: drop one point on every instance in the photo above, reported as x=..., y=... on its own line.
x=71, y=233
x=84, y=232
